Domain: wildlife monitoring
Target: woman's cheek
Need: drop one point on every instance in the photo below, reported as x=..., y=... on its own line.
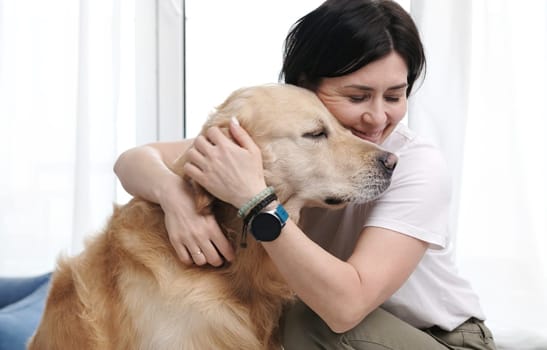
x=398, y=112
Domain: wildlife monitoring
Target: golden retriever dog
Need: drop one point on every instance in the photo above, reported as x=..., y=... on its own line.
x=128, y=289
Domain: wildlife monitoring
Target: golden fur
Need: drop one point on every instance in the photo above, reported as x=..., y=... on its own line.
x=128, y=289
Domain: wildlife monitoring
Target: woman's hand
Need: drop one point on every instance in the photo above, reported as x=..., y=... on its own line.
x=232, y=172
x=197, y=238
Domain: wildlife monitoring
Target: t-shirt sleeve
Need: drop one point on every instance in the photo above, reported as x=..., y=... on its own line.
x=417, y=203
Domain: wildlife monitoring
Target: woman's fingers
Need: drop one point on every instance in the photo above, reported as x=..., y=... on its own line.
x=198, y=256
x=195, y=238
x=194, y=172
x=204, y=252
x=200, y=150
x=182, y=253
x=223, y=246
x=212, y=255
x=241, y=136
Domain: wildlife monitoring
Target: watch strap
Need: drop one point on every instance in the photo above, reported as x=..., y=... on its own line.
x=282, y=214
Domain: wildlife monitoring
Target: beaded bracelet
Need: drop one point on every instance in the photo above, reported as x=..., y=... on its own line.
x=244, y=210
x=252, y=213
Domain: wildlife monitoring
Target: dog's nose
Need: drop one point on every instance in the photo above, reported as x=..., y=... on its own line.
x=388, y=161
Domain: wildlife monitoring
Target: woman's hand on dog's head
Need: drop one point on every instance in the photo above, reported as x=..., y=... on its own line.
x=230, y=171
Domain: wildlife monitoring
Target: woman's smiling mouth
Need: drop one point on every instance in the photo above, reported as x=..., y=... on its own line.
x=374, y=137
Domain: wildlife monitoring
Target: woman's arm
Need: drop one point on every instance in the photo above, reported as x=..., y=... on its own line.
x=149, y=163
x=341, y=293
x=143, y=172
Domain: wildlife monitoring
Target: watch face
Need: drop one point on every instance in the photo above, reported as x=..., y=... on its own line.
x=265, y=227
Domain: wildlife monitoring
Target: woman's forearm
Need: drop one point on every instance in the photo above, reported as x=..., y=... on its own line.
x=143, y=171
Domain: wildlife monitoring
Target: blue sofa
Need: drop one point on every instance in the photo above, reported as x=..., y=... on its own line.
x=22, y=302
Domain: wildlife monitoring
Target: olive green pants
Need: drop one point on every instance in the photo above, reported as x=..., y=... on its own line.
x=380, y=330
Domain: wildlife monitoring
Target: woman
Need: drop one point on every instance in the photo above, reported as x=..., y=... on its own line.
x=372, y=276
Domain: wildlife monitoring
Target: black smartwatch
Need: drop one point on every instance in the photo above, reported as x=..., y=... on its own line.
x=266, y=225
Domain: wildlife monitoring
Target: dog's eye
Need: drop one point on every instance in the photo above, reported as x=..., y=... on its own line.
x=316, y=134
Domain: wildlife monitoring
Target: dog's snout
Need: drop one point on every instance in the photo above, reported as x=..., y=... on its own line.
x=388, y=161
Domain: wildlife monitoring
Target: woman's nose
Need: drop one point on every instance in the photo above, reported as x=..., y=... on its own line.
x=374, y=115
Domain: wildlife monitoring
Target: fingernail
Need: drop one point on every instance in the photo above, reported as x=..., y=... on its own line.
x=235, y=121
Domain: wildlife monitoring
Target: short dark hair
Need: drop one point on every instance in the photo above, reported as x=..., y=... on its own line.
x=341, y=36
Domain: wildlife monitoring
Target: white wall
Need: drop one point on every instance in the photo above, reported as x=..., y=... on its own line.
x=231, y=44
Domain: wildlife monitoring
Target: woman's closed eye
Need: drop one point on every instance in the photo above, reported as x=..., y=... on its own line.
x=361, y=98
x=358, y=98
x=392, y=98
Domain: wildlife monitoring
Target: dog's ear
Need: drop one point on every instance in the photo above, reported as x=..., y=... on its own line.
x=236, y=105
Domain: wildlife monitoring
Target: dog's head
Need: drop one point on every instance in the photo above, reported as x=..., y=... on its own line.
x=308, y=156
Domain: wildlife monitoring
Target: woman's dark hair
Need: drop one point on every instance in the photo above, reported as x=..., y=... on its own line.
x=342, y=36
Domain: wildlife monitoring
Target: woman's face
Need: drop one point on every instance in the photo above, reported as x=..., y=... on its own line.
x=370, y=101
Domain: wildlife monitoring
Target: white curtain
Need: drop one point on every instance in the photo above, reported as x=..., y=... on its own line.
x=80, y=82
x=63, y=95
x=484, y=103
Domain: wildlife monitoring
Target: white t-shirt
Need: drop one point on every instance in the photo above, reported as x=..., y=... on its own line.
x=416, y=204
